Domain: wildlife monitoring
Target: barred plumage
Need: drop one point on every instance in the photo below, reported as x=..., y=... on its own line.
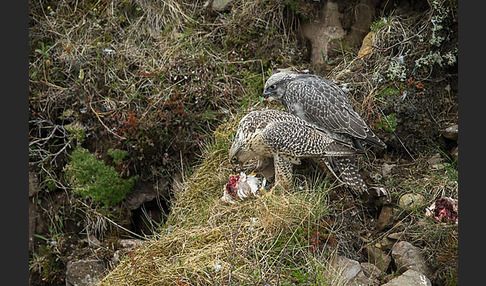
x=285, y=138
x=322, y=103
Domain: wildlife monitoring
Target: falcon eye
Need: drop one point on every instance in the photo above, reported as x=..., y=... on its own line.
x=273, y=86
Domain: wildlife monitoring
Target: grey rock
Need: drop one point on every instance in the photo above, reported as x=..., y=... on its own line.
x=144, y=193
x=370, y=270
x=92, y=241
x=386, y=244
x=455, y=153
x=411, y=201
x=130, y=243
x=395, y=235
x=345, y=271
x=321, y=33
x=386, y=169
x=451, y=132
x=33, y=184
x=362, y=280
x=436, y=159
x=348, y=268
x=378, y=257
x=84, y=272
x=221, y=5
x=409, y=278
x=407, y=256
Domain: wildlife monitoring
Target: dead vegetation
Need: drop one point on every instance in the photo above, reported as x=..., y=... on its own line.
x=206, y=242
x=168, y=81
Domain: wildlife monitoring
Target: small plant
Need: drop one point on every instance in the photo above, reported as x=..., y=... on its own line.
x=77, y=131
x=43, y=49
x=387, y=123
x=92, y=178
x=46, y=263
x=117, y=155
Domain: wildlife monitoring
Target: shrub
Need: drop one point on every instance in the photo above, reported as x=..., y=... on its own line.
x=92, y=178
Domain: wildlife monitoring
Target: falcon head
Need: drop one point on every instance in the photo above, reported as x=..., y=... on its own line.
x=275, y=85
x=239, y=151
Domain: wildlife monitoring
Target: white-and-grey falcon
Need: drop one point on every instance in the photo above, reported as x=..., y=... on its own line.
x=279, y=140
x=325, y=105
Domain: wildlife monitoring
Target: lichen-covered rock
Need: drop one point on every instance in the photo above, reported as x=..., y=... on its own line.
x=350, y=272
x=84, y=272
x=409, y=278
x=407, y=256
x=322, y=32
x=451, y=132
x=411, y=201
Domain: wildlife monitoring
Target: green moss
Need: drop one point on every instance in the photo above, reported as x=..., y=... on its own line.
x=117, y=155
x=92, y=178
x=389, y=91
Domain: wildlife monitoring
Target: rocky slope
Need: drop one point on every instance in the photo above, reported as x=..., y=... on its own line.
x=142, y=87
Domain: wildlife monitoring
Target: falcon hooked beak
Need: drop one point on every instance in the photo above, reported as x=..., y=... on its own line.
x=269, y=92
x=233, y=152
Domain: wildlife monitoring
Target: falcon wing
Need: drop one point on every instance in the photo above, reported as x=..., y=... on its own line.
x=323, y=103
x=296, y=141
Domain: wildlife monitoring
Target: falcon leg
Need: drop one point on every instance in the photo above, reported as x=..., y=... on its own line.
x=348, y=172
x=283, y=173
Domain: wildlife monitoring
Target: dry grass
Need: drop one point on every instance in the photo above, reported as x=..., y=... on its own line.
x=157, y=78
x=152, y=78
x=208, y=242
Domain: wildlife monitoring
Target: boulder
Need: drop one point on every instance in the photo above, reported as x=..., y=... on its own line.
x=361, y=279
x=385, y=244
x=455, y=153
x=411, y=201
x=345, y=271
x=407, y=256
x=84, y=272
x=370, y=270
x=130, y=243
x=386, y=217
x=386, y=169
x=451, y=132
x=435, y=160
x=144, y=193
x=347, y=268
x=409, y=278
x=322, y=32
x=395, y=235
x=378, y=257
x=221, y=5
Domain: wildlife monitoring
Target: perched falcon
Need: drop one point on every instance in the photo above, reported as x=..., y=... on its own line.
x=279, y=140
x=325, y=105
